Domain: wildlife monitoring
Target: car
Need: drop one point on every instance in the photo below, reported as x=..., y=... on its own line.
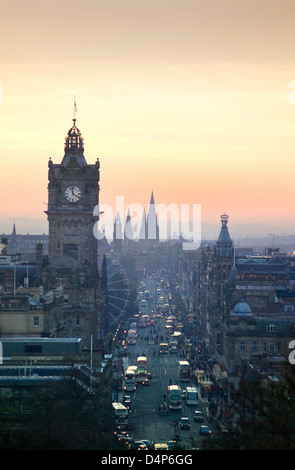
x=118, y=432
x=149, y=444
x=173, y=350
x=142, y=371
x=160, y=446
x=127, y=402
x=128, y=441
x=121, y=434
x=146, y=381
x=138, y=445
x=171, y=445
x=185, y=423
x=176, y=444
x=204, y=431
x=126, y=399
x=198, y=416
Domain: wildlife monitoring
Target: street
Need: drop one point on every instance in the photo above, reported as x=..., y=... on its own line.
x=145, y=422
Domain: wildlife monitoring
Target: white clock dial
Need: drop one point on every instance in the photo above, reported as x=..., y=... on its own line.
x=73, y=193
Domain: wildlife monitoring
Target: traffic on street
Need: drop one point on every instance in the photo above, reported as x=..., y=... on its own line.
x=165, y=396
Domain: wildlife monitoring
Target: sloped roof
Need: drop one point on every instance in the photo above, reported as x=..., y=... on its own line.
x=242, y=309
x=224, y=235
x=276, y=266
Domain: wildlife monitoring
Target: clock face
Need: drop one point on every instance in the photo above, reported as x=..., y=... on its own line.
x=73, y=193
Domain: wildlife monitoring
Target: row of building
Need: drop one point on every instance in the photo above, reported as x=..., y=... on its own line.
x=243, y=303
x=54, y=298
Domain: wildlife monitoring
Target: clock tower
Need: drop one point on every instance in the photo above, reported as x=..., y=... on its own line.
x=73, y=193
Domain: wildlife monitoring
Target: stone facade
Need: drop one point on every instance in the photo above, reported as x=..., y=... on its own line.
x=73, y=197
x=247, y=335
x=215, y=265
x=22, y=315
x=73, y=194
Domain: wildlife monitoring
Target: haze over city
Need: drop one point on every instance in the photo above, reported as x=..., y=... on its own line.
x=189, y=99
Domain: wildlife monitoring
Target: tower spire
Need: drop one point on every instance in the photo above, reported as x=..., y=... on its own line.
x=224, y=242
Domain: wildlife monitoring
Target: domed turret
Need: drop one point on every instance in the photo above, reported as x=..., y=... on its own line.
x=74, y=147
x=74, y=137
x=242, y=309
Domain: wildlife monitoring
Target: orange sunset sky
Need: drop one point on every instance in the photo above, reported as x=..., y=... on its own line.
x=187, y=98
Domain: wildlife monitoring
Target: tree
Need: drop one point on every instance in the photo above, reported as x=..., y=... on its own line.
x=266, y=408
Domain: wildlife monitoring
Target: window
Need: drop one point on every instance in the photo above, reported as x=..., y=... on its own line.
x=36, y=321
x=271, y=328
x=242, y=346
x=254, y=346
x=77, y=322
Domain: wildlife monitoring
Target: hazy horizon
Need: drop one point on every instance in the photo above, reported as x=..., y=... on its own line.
x=209, y=230
x=193, y=100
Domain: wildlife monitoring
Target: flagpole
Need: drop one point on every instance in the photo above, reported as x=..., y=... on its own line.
x=75, y=108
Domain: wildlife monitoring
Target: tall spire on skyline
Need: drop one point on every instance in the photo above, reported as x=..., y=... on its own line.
x=152, y=221
x=152, y=201
x=13, y=239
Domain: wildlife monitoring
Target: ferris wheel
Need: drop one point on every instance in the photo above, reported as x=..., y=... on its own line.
x=117, y=291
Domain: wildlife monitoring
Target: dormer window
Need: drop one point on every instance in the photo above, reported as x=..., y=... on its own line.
x=271, y=328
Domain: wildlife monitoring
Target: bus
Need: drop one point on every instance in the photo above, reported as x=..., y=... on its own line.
x=130, y=380
x=185, y=371
x=146, y=294
x=121, y=415
x=192, y=396
x=174, y=397
x=143, y=321
x=131, y=337
x=135, y=369
x=142, y=361
x=165, y=309
x=143, y=305
x=163, y=348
